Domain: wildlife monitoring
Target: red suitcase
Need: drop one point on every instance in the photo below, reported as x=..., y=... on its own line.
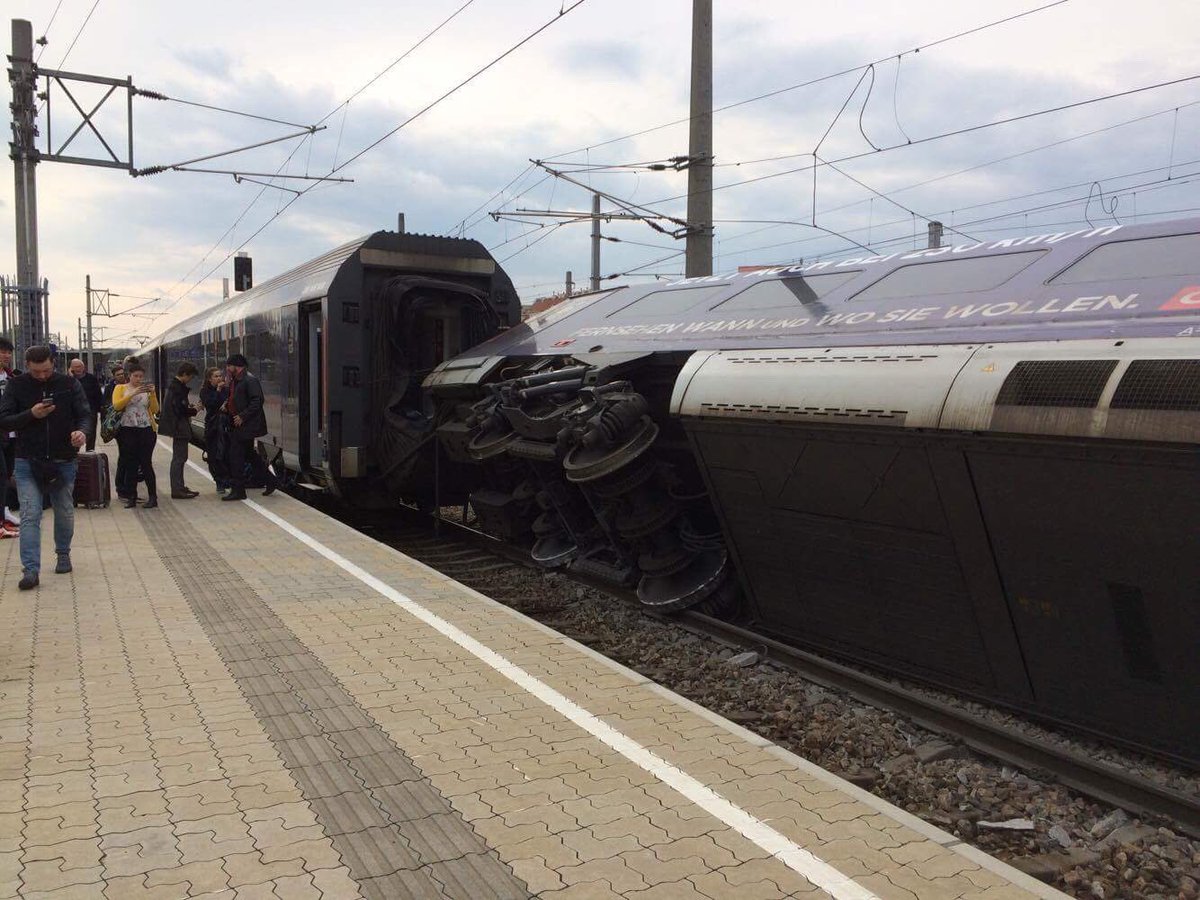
x=92, y=487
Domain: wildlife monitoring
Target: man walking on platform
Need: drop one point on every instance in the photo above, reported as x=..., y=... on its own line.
x=91, y=390
x=50, y=415
x=245, y=408
x=176, y=421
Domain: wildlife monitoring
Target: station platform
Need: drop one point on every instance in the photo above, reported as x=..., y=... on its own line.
x=253, y=700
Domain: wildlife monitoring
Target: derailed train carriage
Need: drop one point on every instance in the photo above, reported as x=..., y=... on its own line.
x=341, y=345
x=975, y=464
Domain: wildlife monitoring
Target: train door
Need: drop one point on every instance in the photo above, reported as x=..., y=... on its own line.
x=312, y=385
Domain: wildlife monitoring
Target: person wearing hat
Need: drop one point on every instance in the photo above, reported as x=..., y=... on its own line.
x=245, y=409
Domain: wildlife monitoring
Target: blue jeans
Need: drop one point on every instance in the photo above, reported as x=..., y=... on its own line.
x=63, y=500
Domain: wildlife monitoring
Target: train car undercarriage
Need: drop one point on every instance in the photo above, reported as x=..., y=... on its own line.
x=983, y=563
x=580, y=463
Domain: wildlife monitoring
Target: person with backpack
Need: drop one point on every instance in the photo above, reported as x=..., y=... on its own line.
x=50, y=415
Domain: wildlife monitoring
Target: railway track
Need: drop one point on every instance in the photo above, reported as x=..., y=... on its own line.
x=474, y=559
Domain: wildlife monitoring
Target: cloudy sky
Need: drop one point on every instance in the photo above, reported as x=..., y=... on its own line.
x=608, y=68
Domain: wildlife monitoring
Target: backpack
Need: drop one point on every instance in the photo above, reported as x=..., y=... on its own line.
x=110, y=423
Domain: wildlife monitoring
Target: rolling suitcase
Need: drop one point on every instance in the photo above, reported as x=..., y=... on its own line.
x=92, y=487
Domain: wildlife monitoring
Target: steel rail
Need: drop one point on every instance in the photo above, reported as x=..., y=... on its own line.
x=1071, y=768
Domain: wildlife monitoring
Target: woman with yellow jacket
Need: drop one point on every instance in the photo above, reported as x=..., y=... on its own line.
x=138, y=405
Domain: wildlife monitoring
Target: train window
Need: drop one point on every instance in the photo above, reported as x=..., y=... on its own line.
x=662, y=303
x=949, y=276
x=786, y=292
x=1176, y=254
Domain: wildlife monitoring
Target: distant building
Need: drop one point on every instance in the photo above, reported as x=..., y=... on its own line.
x=541, y=305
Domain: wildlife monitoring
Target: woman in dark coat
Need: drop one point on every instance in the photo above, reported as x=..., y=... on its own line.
x=213, y=395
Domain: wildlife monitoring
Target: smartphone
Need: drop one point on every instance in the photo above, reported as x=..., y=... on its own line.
x=56, y=397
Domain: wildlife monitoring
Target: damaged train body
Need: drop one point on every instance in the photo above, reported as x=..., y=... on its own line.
x=975, y=464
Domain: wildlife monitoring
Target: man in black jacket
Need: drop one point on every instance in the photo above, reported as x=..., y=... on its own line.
x=245, y=408
x=118, y=377
x=91, y=390
x=175, y=421
x=51, y=417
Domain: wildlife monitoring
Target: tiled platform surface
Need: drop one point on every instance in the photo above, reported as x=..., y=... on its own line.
x=209, y=706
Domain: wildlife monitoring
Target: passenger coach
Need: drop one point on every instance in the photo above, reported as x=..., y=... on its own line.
x=978, y=464
x=341, y=345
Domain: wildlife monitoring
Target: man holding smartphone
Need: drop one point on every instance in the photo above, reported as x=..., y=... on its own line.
x=51, y=417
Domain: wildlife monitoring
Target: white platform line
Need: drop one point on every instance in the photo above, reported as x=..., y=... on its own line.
x=795, y=857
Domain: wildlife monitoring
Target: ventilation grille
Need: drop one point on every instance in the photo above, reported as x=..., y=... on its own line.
x=1160, y=384
x=751, y=360
x=805, y=412
x=1077, y=382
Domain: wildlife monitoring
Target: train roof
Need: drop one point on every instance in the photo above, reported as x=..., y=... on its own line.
x=312, y=280
x=1108, y=281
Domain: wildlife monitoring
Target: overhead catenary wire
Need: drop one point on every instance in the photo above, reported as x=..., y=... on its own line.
x=159, y=95
x=75, y=39
x=970, y=129
x=344, y=106
x=514, y=48
x=441, y=98
x=1144, y=187
x=977, y=166
x=778, y=91
x=813, y=81
x=45, y=34
x=647, y=208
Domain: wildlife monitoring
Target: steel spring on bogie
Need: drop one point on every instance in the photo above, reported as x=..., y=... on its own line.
x=610, y=424
x=698, y=542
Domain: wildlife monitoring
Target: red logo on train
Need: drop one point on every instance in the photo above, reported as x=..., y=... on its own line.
x=1188, y=300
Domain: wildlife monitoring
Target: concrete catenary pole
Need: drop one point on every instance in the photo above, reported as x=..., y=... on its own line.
x=33, y=328
x=698, y=257
x=90, y=345
x=935, y=235
x=595, y=242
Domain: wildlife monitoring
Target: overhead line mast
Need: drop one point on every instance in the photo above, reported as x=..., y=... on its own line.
x=698, y=258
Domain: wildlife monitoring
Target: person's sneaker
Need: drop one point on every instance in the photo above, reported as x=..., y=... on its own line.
x=64, y=564
x=190, y=492
x=235, y=495
x=11, y=517
x=270, y=489
x=29, y=580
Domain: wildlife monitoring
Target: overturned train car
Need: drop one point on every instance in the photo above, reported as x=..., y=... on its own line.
x=341, y=345
x=975, y=464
